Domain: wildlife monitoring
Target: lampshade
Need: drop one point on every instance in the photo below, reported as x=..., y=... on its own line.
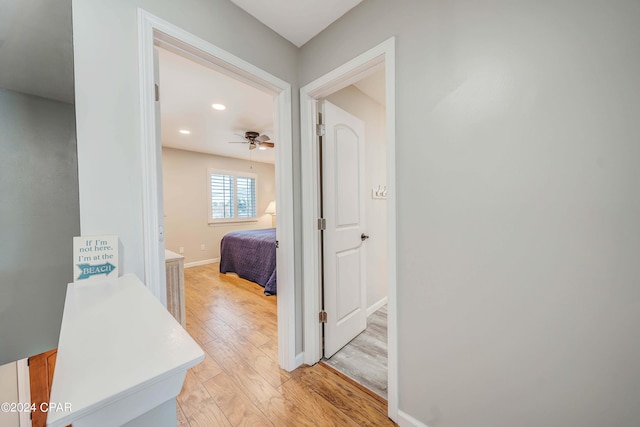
x=271, y=209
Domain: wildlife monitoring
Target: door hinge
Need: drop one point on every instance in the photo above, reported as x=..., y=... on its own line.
x=320, y=129
x=277, y=244
x=322, y=224
x=157, y=91
x=322, y=318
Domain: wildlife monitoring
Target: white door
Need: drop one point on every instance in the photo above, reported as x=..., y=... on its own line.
x=343, y=200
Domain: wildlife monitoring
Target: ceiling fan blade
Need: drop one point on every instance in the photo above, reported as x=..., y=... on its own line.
x=268, y=144
x=252, y=146
x=237, y=142
x=263, y=138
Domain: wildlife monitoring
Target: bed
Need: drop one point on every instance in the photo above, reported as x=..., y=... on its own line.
x=251, y=254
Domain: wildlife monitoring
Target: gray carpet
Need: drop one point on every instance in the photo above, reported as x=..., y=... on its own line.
x=364, y=359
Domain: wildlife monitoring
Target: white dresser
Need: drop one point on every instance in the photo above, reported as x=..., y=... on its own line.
x=174, y=264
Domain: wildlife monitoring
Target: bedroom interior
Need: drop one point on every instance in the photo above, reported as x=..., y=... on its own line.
x=217, y=178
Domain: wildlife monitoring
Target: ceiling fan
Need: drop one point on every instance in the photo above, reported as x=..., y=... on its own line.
x=255, y=140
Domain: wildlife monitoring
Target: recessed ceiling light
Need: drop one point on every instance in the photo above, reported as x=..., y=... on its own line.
x=218, y=107
x=185, y=132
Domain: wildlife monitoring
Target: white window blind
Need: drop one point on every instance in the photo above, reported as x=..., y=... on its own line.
x=246, y=197
x=221, y=196
x=232, y=196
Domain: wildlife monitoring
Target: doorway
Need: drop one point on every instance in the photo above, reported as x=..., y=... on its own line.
x=355, y=236
x=154, y=31
x=360, y=67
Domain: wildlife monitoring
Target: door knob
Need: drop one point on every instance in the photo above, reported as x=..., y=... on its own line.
x=363, y=237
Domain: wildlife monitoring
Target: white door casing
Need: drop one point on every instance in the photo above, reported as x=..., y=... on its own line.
x=348, y=73
x=151, y=31
x=158, y=148
x=343, y=200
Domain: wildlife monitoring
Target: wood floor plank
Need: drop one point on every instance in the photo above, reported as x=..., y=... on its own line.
x=240, y=382
x=270, y=348
x=182, y=419
x=237, y=407
x=317, y=407
x=362, y=408
x=264, y=396
x=209, y=368
x=208, y=418
x=220, y=328
x=197, y=404
x=258, y=360
x=200, y=334
x=237, y=368
x=254, y=337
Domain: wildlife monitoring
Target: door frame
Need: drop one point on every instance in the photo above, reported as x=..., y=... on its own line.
x=341, y=77
x=152, y=30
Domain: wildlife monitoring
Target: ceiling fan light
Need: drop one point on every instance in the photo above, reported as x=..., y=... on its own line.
x=218, y=107
x=261, y=147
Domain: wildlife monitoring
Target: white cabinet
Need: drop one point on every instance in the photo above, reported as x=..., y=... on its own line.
x=122, y=358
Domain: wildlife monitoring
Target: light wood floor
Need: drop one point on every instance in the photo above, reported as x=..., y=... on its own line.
x=240, y=383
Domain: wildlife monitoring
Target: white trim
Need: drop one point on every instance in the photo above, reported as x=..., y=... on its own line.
x=202, y=262
x=299, y=359
x=375, y=306
x=154, y=266
x=24, y=389
x=337, y=79
x=153, y=29
x=406, y=420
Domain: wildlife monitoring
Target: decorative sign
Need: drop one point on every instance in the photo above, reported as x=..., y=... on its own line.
x=95, y=258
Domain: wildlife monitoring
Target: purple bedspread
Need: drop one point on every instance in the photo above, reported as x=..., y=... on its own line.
x=251, y=255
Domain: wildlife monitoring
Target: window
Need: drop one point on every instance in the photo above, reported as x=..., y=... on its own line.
x=232, y=196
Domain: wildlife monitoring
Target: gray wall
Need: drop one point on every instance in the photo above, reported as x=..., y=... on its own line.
x=518, y=205
x=105, y=36
x=38, y=218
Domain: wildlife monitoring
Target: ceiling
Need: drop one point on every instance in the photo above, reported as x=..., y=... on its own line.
x=36, y=51
x=297, y=20
x=41, y=63
x=187, y=91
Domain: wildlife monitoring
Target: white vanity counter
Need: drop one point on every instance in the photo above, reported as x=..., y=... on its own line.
x=122, y=357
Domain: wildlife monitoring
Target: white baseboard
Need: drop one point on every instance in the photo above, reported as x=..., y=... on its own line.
x=299, y=360
x=203, y=262
x=406, y=420
x=24, y=389
x=375, y=306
